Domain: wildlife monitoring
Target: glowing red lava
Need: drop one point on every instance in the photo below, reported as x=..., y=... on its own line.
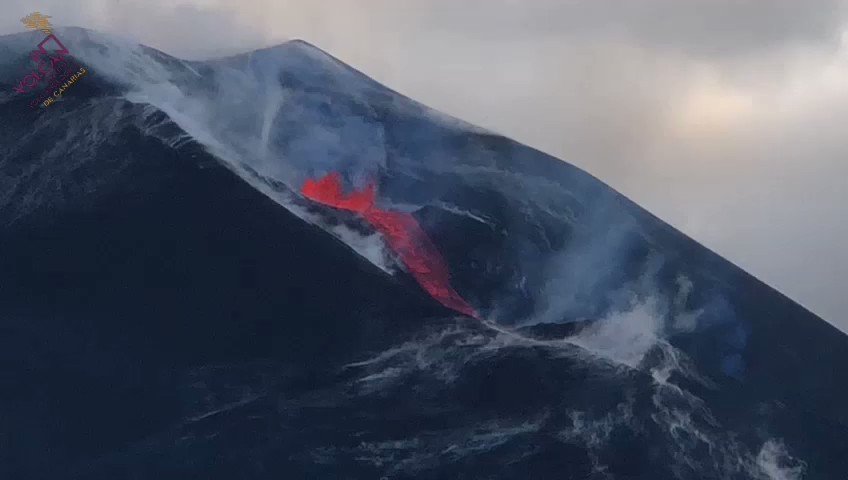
x=401, y=231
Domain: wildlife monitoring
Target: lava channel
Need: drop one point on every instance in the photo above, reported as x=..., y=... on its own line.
x=402, y=233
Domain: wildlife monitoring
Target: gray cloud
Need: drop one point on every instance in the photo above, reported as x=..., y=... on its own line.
x=723, y=117
x=699, y=27
x=702, y=26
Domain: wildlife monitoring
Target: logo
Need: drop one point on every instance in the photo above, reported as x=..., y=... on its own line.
x=55, y=66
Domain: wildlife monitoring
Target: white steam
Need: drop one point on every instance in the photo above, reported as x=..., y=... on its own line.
x=776, y=463
x=233, y=113
x=623, y=337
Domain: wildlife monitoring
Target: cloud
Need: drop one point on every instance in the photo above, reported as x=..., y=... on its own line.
x=705, y=27
x=188, y=29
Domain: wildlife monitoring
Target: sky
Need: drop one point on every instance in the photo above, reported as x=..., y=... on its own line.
x=726, y=118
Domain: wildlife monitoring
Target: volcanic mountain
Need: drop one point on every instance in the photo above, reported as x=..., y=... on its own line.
x=271, y=266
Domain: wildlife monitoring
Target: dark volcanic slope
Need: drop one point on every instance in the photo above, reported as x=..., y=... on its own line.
x=109, y=296
x=163, y=318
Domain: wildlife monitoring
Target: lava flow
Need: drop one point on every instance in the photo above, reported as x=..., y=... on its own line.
x=402, y=233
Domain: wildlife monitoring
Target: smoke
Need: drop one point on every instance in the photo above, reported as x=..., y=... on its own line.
x=239, y=114
x=624, y=337
x=777, y=464
x=581, y=280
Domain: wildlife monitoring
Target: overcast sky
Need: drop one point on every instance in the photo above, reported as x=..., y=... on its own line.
x=726, y=118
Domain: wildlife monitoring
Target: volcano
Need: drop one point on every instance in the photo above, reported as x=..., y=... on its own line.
x=271, y=266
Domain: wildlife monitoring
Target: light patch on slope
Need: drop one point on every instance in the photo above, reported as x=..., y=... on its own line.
x=623, y=337
x=777, y=464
